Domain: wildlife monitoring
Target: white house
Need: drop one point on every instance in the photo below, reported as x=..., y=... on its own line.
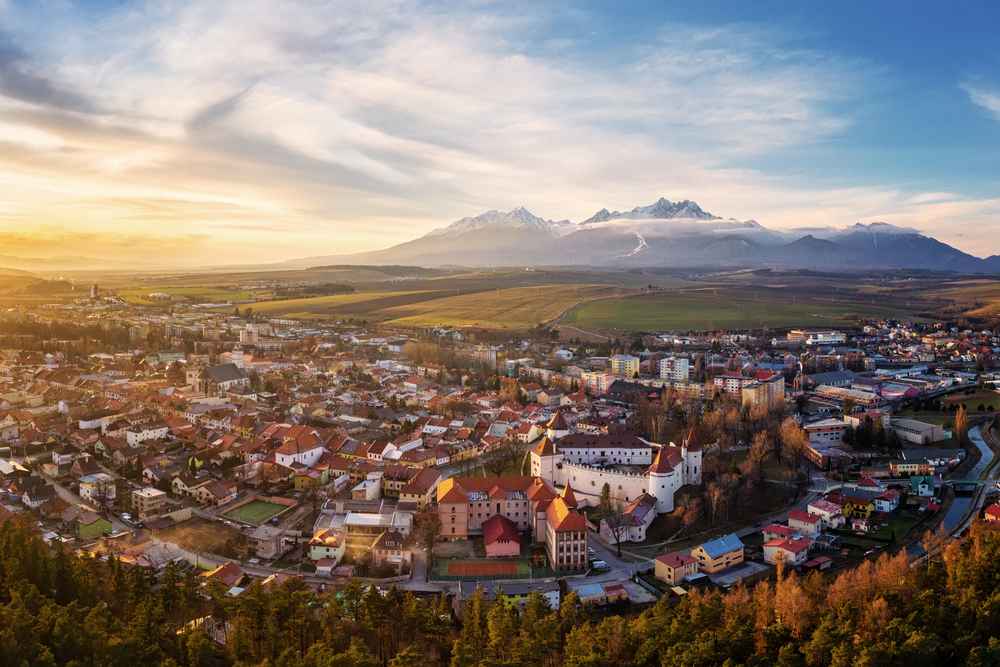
x=793, y=552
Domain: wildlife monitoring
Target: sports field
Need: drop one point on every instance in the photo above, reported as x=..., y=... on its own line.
x=255, y=512
x=476, y=568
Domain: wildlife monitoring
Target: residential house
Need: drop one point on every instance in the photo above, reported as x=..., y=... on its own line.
x=887, y=501
x=391, y=547
x=36, y=496
x=718, y=554
x=807, y=523
x=266, y=541
x=792, y=552
x=831, y=513
x=673, y=567
x=91, y=524
x=327, y=543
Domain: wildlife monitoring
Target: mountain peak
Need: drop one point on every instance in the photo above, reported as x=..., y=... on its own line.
x=663, y=209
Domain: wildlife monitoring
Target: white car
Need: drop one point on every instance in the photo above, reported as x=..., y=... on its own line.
x=599, y=565
x=591, y=552
x=126, y=516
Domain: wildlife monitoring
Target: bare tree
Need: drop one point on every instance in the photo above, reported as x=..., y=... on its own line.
x=102, y=491
x=611, y=508
x=500, y=456
x=266, y=476
x=714, y=494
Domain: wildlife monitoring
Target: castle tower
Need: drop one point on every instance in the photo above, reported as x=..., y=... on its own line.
x=691, y=451
x=545, y=459
x=663, y=482
x=557, y=426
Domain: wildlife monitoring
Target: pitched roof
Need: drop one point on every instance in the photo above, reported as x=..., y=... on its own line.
x=676, y=559
x=799, y=515
x=558, y=422
x=568, y=496
x=721, y=545
x=499, y=527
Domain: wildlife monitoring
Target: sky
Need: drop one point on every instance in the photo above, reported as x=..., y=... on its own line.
x=231, y=132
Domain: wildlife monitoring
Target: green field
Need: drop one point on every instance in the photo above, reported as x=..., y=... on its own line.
x=719, y=308
x=518, y=307
x=988, y=399
x=255, y=512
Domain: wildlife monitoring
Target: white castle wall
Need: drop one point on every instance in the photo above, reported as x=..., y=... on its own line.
x=587, y=481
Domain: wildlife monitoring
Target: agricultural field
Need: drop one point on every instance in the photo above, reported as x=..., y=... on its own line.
x=366, y=305
x=723, y=307
x=192, y=294
x=516, y=308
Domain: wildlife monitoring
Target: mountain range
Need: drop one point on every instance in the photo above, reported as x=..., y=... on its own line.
x=665, y=234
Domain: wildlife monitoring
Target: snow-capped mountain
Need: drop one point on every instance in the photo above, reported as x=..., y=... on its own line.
x=662, y=234
x=664, y=209
x=468, y=224
x=519, y=217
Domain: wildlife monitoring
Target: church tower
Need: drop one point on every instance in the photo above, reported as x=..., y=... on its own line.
x=238, y=356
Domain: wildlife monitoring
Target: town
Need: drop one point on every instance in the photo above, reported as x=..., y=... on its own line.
x=444, y=460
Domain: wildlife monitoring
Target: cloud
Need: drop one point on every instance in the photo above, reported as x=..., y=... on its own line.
x=983, y=97
x=297, y=128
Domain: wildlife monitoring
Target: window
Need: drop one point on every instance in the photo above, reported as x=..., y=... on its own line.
x=453, y=530
x=452, y=510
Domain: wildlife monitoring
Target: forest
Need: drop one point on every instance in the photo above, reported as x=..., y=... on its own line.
x=57, y=608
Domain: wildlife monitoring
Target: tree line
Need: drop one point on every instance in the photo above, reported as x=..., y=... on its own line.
x=60, y=609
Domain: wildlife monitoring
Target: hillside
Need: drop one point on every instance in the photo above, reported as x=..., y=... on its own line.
x=664, y=234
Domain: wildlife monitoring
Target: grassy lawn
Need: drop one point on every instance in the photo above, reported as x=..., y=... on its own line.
x=255, y=512
x=517, y=469
x=898, y=524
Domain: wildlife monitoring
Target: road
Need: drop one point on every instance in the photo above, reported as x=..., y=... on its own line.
x=74, y=499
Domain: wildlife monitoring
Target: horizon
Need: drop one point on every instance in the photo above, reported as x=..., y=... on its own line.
x=280, y=132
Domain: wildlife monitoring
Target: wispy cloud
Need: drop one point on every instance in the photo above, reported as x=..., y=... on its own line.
x=289, y=128
x=984, y=97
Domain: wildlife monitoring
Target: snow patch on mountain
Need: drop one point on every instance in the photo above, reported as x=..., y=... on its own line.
x=664, y=209
x=468, y=224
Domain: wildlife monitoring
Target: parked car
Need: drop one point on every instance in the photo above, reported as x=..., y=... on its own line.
x=599, y=565
x=126, y=516
x=591, y=552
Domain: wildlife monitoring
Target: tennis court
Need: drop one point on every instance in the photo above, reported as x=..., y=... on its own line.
x=255, y=512
x=479, y=568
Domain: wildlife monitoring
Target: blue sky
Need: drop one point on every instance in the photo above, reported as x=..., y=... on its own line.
x=285, y=129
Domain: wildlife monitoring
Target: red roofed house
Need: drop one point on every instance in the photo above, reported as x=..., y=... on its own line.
x=501, y=537
x=776, y=531
x=888, y=501
x=805, y=522
x=792, y=552
x=992, y=513
x=673, y=567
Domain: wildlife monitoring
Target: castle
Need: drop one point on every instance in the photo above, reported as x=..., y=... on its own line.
x=630, y=465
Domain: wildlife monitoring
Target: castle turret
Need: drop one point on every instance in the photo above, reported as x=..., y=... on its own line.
x=663, y=480
x=691, y=451
x=557, y=426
